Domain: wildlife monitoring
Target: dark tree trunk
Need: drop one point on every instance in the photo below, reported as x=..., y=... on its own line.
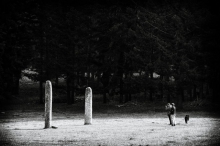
x=168, y=96
x=216, y=86
x=47, y=60
x=92, y=76
x=120, y=73
x=68, y=82
x=151, y=87
x=161, y=87
x=201, y=91
x=129, y=93
x=207, y=89
x=214, y=95
x=121, y=89
x=9, y=85
x=98, y=77
x=194, y=92
x=129, y=97
x=104, y=97
x=191, y=94
x=129, y=87
x=70, y=89
x=88, y=77
x=41, y=91
x=168, y=89
x=17, y=78
x=41, y=49
x=151, y=94
x=88, y=66
x=182, y=94
x=145, y=93
x=105, y=82
x=126, y=97
x=41, y=76
x=73, y=76
x=180, y=102
x=77, y=78
x=57, y=81
x=72, y=100
x=126, y=89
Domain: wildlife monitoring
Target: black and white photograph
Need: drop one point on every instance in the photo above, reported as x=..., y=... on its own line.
x=109, y=73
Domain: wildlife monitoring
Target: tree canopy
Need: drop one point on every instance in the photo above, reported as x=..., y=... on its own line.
x=111, y=41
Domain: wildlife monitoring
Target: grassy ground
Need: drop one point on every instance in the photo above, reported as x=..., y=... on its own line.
x=112, y=125
x=133, y=123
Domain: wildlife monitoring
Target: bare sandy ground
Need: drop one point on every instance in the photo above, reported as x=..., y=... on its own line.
x=111, y=129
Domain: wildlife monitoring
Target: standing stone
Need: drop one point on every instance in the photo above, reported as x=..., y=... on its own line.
x=48, y=104
x=88, y=106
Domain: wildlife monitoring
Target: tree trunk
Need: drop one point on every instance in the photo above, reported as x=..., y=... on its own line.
x=201, y=91
x=70, y=89
x=104, y=97
x=41, y=49
x=180, y=102
x=151, y=87
x=121, y=89
x=216, y=86
x=126, y=88
x=194, y=92
x=191, y=94
x=145, y=92
x=120, y=74
x=41, y=91
x=72, y=101
x=73, y=76
x=72, y=94
x=105, y=82
x=92, y=76
x=56, y=80
x=168, y=88
x=68, y=82
x=161, y=87
x=214, y=95
x=17, y=78
x=130, y=97
x=88, y=77
x=151, y=94
x=88, y=65
x=207, y=89
x=182, y=95
x=168, y=96
x=129, y=87
x=41, y=76
x=47, y=59
x=98, y=77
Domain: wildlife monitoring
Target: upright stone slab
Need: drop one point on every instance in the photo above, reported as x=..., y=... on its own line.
x=88, y=106
x=48, y=104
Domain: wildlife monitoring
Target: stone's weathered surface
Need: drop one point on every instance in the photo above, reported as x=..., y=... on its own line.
x=88, y=106
x=48, y=104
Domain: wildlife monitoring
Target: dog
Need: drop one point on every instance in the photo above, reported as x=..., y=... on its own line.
x=171, y=113
x=186, y=118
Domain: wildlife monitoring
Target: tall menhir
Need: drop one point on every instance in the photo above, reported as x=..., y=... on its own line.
x=88, y=106
x=48, y=104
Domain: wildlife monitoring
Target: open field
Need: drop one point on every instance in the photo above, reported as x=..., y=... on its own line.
x=24, y=126
x=132, y=123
